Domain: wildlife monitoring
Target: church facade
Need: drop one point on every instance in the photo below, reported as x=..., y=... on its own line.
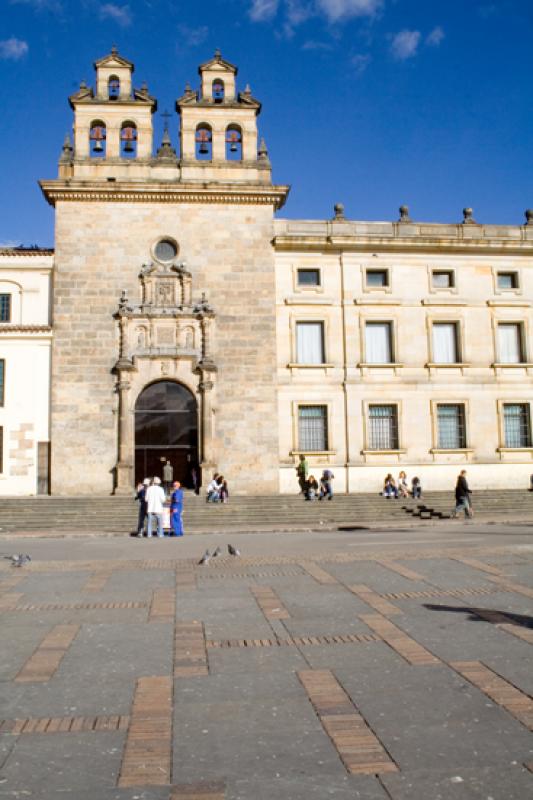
x=190, y=324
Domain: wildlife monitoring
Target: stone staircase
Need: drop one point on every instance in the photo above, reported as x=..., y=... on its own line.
x=118, y=515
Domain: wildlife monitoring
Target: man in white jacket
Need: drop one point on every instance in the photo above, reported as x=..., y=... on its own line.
x=155, y=499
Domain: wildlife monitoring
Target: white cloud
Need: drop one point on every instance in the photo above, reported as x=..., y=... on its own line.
x=435, y=37
x=193, y=36
x=405, y=44
x=13, y=49
x=262, y=10
x=360, y=62
x=119, y=14
x=338, y=10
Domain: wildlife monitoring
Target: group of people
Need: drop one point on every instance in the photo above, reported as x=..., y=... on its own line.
x=309, y=486
x=152, y=498
x=400, y=488
x=217, y=489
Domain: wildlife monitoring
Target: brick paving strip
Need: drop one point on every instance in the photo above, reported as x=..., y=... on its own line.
x=78, y=606
x=320, y=575
x=41, y=666
x=97, y=581
x=10, y=600
x=185, y=578
x=509, y=586
x=64, y=724
x=163, y=606
x=358, y=747
x=479, y=565
x=294, y=641
x=406, y=647
x=481, y=590
x=190, y=654
x=209, y=790
x=374, y=600
x=148, y=749
x=405, y=572
x=269, y=602
x=503, y=693
x=504, y=623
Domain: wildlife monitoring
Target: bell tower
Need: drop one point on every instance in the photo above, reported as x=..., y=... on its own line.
x=219, y=139
x=113, y=133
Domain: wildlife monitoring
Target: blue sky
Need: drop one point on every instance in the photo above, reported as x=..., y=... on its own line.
x=372, y=103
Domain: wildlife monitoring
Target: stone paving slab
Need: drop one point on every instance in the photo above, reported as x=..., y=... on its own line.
x=505, y=782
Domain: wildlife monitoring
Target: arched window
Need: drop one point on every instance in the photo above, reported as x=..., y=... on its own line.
x=128, y=140
x=233, y=143
x=113, y=87
x=204, y=142
x=97, y=139
x=218, y=90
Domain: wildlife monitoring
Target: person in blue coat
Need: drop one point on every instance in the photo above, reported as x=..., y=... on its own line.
x=176, y=508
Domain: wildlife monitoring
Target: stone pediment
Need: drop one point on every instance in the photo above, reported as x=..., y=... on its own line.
x=114, y=60
x=218, y=63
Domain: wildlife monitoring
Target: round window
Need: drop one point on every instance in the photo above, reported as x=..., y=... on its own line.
x=166, y=250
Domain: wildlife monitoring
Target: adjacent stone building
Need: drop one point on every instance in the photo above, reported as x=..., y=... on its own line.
x=191, y=325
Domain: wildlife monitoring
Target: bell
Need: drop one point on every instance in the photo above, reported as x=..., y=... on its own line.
x=203, y=138
x=128, y=137
x=98, y=147
x=128, y=146
x=203, y=148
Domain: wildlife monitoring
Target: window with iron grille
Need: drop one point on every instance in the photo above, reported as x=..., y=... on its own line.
x=312, y=428
x=383, y=427
x=451, y=426
x=517, y=425
x=2, y=377
x=5, y=308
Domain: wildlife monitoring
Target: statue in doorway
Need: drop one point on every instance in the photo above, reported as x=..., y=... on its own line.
x=168, y=476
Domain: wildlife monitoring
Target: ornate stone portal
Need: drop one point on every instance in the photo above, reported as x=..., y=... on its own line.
x=165, y=336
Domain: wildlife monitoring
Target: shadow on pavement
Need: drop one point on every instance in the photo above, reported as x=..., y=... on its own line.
x=486, y=615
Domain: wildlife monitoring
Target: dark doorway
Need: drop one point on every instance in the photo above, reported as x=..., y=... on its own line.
x=166, y=428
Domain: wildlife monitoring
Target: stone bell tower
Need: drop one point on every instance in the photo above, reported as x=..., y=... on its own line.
x=164, y=288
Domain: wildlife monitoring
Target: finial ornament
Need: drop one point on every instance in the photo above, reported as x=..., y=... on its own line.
x=468, y=219
x=529, y=216
x=218, y=54
x=262, y=151
x=338, y=208
x=404, y=214
x=114, y=50
x=247, y=90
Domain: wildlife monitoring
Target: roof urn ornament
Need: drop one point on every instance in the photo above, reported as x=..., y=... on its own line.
x=468, y=219
x=338, y=209
x=67, y=150
x=404, y=214
x=529, y=216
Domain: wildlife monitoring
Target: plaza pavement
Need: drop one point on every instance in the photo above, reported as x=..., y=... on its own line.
x=377, y=665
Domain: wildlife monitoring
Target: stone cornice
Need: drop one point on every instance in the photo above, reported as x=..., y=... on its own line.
x=146, y=192
x=18, y=252
x=7, y=328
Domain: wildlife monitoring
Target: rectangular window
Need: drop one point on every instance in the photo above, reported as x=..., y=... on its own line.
x=378, y=343
x=309, y=343
x=5, y=308
x=517, y=425
x=376, y=278
x=308, y=277
x=442, y=279
x=507, y=280
x=2, y=377
x=510, y=349
x=383, y=427
x=451, y=427
x=445, y=350
x=312, y=428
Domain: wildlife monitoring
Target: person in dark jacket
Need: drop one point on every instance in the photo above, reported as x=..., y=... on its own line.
x=143, y=505
x=462, y=496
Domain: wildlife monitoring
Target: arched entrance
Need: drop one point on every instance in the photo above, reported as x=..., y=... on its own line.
x=166, y=427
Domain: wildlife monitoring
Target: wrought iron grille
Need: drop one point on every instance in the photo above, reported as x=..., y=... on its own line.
x=451, y=427
x=313, y=428
x=383, y=428
x=517, y=425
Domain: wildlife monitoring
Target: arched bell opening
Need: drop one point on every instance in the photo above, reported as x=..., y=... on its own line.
x=166, y=429
x=97, y=139
x=233, y=143
x=217, y=90
x=128, y=140
x=113, y=88
x=204, y=142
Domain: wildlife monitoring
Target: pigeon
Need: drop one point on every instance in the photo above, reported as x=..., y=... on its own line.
x=217, y=552
x=19, y=559
x=233, y=551
x=205, y=558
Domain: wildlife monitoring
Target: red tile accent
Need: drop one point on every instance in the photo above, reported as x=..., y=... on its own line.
x=205, y=790
x=508, y=586
x=320, y=575
x=405, y=572
x=406, y=647
x=163, y=607
x=374, y=600
x=97, y=581
x=190, y=654
x=46, y=659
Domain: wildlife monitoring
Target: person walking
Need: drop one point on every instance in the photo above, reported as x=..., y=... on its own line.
x=462, y=496
x=155, y=499
x=141, y=498
x=302, y=471
x=326, y=487
x=176, y=509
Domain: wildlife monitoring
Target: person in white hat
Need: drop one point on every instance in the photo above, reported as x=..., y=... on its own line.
x=155, y=498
